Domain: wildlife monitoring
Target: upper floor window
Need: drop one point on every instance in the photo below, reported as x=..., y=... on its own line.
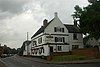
x=40, y=40
x=59, y=39
x=58, y=29
x=34, y=43
x=75, y=36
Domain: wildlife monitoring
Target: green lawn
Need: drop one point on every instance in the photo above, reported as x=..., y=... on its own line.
x=68, y=58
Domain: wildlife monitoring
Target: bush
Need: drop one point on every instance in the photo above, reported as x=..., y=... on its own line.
x=88, y=46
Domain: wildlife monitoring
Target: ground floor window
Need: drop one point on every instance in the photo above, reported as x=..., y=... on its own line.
x=75, y=46
x=59, y=48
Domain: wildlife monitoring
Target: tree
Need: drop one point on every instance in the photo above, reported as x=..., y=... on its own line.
x=89, y=18
x=92, y=1
x=6, y=50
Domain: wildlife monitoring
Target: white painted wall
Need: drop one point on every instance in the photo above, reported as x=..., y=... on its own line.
x=65, y=48
x=29, y=49
x=37, y=37
x=55, y=23
x=25, y=51
x=79, y=40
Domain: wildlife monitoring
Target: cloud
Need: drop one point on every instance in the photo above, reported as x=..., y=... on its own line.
x=13, y=6
x=20, y=16
x=9, y=8
x=64, y=8
x=13, y=30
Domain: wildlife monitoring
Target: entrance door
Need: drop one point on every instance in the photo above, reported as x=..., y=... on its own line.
x=51, y=49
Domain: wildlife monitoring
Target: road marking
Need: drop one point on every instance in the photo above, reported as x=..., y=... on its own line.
x=61, y=66
x=33, y=66
x=24, y=63
x=3, y=62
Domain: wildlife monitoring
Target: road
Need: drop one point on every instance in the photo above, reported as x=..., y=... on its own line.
x=17, y=61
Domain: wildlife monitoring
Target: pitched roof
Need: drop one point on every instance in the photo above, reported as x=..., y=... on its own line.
x=41, y=29
x=72, y=28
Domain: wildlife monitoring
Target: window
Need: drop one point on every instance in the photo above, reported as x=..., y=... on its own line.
x=59, y=48
x=35, y=51
x=40, y=40
x=75, y=36
x=58, y=29
x=75, y=46
x=43, y=50
x=62, y=30
x=63, y=39
x=59, y=39
x=55, y=29
x=49, y=36
x=34, y=43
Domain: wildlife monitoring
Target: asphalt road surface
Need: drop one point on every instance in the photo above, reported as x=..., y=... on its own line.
x=17, y=61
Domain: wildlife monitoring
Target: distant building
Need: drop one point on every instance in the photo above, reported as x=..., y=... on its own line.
x=26, y=48
x=91, y=41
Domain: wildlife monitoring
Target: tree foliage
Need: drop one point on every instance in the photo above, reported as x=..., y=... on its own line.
x=8, y=50
x=89, y=18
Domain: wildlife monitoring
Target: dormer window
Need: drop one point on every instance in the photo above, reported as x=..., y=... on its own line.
x=58, y=29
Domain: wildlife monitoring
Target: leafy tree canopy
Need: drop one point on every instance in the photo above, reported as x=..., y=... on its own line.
x=89, y=18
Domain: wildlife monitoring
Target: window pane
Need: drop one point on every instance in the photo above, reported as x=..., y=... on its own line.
x=58, y=29
x=75, y=46
x=62, y=29
x=59, y=48
x=75, y=36
x=55, y=29
x=40, y=40
x=55, y=39
x=63, y=39
x=59, y=39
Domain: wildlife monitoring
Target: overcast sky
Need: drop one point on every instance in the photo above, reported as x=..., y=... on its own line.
x=17, y=17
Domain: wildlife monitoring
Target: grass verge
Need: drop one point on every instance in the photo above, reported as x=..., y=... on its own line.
x=68, y=58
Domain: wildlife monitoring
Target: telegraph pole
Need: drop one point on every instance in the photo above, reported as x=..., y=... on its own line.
x=27, y=36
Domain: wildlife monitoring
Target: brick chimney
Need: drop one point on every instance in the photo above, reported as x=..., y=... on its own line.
x=45, y=21
x=56, y=14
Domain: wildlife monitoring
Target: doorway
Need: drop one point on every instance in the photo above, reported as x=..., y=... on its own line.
x=51, y=49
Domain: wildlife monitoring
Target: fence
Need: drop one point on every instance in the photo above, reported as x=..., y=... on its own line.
x=90, y=52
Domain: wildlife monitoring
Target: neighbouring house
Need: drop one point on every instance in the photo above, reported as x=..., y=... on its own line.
x=55, y=37
x=26, y=48
x=91, y=41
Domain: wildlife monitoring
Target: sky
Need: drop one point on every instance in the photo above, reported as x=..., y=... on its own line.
x=17, y=17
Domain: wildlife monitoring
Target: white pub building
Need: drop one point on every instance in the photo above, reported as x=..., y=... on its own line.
x=54, y=37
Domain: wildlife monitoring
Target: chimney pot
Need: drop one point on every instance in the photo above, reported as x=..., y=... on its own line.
x=45, y=22
x=56, y=14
